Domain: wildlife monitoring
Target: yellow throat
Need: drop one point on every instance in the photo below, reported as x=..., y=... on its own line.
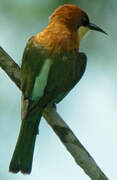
x=82, y=31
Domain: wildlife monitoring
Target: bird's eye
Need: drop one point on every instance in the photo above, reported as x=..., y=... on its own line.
x=85, y=21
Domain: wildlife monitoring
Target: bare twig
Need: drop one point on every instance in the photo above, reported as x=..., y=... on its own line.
x=10, y=67
x=73, y=145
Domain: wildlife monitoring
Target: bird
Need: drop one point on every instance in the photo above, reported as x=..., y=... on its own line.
x=50, y=68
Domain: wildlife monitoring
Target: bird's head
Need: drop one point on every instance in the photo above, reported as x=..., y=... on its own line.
x=75, y=19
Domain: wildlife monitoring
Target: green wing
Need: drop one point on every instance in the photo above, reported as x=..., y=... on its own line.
x=48, y=79
x=65, y=72
x=34, y=58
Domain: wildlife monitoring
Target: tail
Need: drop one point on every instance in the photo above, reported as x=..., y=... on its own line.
x=23, y=154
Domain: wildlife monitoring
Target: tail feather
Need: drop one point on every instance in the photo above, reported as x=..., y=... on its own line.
x=23, y=154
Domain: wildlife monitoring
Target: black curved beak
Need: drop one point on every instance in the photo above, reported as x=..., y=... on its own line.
x=96, y=28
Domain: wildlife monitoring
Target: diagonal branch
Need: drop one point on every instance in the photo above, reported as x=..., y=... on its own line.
x=73, y=145
x=10, y=67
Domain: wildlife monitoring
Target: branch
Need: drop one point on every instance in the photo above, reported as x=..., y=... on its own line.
x=73, y=145
x=10, y=67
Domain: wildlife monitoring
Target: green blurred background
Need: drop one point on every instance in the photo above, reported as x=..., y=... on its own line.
x=90, y=109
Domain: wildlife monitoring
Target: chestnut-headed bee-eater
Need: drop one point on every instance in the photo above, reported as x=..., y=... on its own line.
x=50, y=69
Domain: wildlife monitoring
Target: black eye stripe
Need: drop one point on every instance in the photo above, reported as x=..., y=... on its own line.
x=85, y=21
